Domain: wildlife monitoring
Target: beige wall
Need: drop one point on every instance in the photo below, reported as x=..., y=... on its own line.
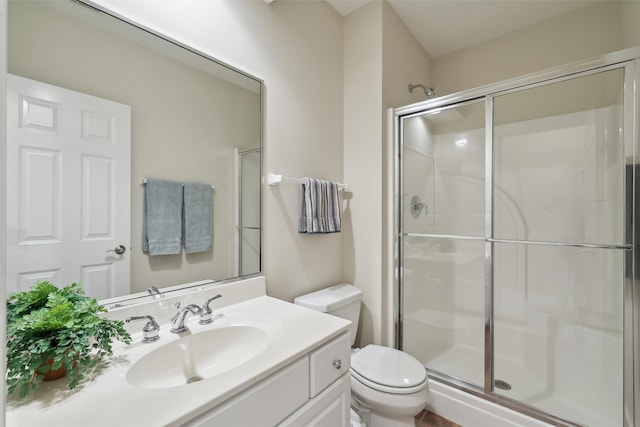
x=185, y=123
x=381, y=58
x=404, y=61
x=630, y=23
x=363, y=161
x=296, y=47
x=592, y=31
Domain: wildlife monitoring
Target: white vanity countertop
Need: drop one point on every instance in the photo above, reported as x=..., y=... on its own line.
x=110, y=400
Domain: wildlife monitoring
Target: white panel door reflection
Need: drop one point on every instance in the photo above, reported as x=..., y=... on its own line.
x=67, y=149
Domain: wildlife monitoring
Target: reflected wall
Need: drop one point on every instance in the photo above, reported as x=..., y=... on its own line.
x=187, y=124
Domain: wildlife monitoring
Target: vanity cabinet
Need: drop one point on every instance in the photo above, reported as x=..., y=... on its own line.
x=329, y=408
x=314, y=390
x=329, y=387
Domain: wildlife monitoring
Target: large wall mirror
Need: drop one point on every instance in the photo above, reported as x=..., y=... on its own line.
x=96, y=108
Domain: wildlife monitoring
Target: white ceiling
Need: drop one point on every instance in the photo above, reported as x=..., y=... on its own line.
x=444, y=26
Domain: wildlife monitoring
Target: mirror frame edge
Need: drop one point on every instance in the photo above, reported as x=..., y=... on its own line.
x=4, y=8
x=91, y=4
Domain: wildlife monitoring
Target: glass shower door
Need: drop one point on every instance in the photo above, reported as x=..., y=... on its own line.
x=559, y=246
x=443, y=206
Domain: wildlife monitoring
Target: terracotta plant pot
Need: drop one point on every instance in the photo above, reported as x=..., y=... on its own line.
x=53, y=374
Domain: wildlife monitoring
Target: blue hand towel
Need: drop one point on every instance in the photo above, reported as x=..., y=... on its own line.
x=320, y=210
x=162, y=217
x=198, y=201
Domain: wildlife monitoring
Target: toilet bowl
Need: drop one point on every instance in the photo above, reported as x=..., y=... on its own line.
x=391, y=383
x=388, y=387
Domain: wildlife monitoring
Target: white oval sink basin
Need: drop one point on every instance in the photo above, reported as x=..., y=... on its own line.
x=197, y=357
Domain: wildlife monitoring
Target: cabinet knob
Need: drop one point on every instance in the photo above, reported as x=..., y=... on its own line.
x=337, y=363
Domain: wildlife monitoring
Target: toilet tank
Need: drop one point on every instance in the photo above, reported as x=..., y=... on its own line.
x=341, y=300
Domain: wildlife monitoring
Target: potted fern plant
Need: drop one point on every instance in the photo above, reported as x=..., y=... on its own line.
x=55, y=332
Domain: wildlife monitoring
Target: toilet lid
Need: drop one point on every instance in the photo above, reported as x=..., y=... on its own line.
x=388, y=367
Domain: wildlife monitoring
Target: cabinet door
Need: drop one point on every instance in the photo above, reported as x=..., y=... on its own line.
x=264, y=404
x=329, y=409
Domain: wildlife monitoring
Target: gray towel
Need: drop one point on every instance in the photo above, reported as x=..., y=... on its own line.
x=198, y=202
x=162, y=217
x=320, y=210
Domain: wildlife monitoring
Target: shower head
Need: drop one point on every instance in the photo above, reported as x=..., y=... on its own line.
x=428, y=91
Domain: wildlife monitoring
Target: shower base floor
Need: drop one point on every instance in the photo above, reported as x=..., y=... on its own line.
x=462, y=363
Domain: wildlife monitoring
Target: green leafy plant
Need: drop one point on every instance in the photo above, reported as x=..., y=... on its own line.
x=49, y=328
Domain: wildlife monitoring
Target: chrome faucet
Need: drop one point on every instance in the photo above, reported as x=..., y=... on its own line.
x=177, y=321
x=205, y=314
x=151, y=328
x=152, y=290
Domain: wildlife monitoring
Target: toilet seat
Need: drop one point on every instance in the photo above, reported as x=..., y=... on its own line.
x=388, y=370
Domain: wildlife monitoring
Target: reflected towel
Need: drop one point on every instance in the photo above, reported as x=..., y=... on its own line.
x=198, y=226
x=162, y=217
x=320, y=210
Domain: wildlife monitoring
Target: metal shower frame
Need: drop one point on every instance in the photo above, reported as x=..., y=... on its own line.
x=629, y=60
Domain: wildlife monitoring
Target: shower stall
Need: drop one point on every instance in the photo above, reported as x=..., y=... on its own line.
x=517, y=241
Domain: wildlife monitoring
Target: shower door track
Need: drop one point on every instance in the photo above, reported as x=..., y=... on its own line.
x=501, y=400
x=627, y=59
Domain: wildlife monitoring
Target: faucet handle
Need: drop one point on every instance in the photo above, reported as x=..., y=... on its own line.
x=151, y=329
x=205, y=315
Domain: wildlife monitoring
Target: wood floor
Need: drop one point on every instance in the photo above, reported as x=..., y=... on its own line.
x=429, y=419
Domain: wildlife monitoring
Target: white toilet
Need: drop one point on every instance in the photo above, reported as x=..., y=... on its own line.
x=388, y=383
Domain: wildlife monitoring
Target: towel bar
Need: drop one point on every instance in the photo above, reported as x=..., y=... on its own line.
x=275, y=179
x=143, y=181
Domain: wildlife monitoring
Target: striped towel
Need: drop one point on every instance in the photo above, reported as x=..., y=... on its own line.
x=320, y=210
